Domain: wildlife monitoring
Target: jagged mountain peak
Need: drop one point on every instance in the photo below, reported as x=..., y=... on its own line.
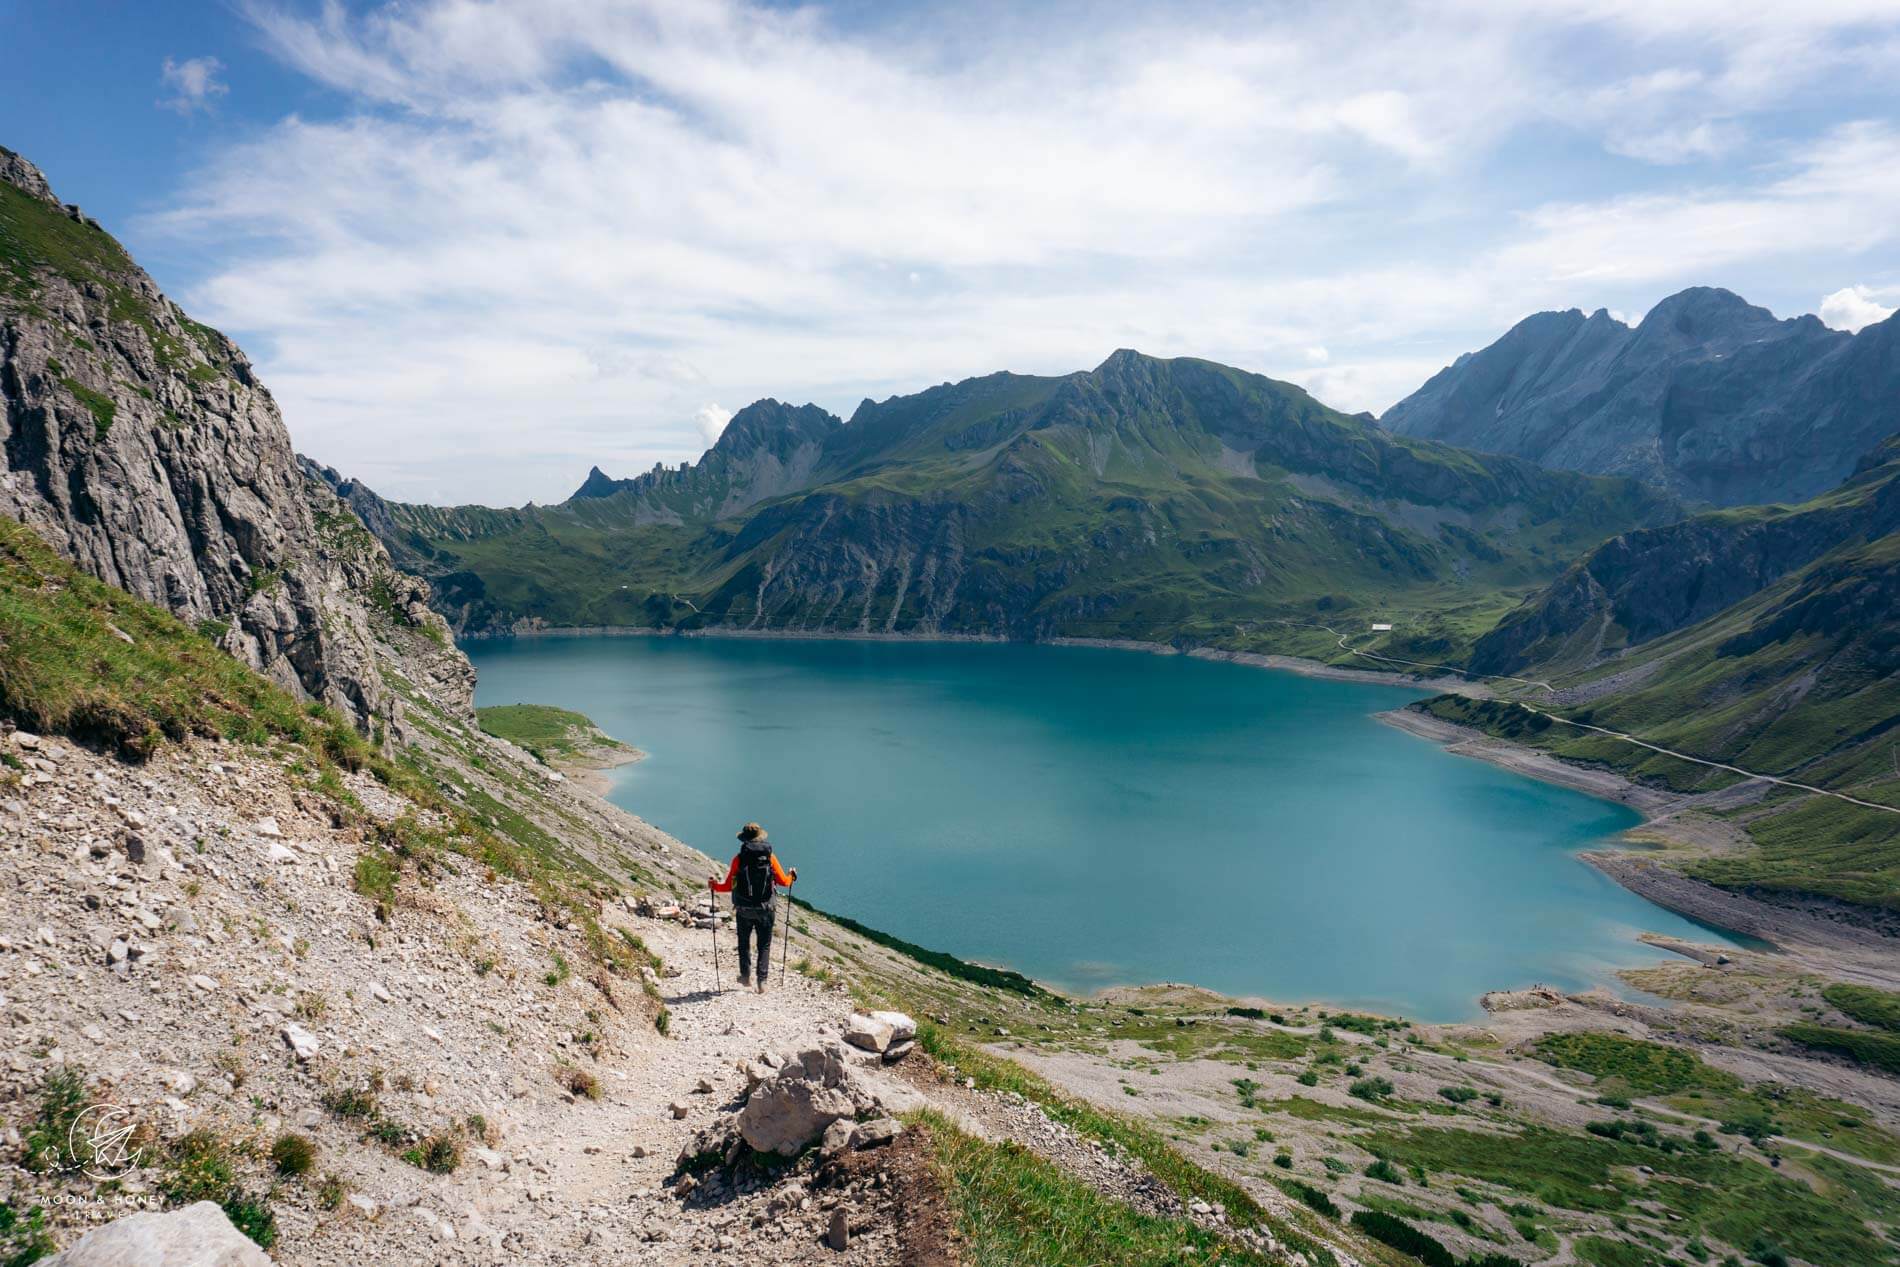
x=597, y=484
x=1704, y=313
x=1709, y=396
x=774, y=423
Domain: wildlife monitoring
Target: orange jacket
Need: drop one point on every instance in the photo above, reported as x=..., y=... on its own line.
x=732, y=873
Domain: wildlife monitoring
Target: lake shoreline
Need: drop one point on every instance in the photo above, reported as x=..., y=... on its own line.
x=1667, y=827
x=1650, y=804
x=1252, y=659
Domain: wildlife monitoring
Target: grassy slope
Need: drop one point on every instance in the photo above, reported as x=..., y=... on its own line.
x=1800, y=680
x=551, y=734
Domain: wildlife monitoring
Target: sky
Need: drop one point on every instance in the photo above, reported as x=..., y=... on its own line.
x=477, y=248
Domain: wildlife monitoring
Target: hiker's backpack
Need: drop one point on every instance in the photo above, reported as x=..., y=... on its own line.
x=753, y=885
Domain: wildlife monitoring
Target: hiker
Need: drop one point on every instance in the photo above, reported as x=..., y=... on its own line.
x=750, y=879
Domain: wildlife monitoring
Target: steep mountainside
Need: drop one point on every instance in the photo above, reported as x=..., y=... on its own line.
x=1766, y=638
x=1709, y=396
x=1146, y=498
x=766, y=449
x=141, y=445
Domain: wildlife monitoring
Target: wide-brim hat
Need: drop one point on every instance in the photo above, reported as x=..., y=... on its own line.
x=752, y=831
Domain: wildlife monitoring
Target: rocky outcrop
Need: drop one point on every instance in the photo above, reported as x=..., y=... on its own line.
x=1643, y=585
x=1709, y=396
x=197, y=1236
x=141, y=445
x=768, y=449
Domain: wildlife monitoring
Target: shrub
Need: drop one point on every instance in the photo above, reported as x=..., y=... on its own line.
x=252, y=1216
x=1875, y=1048
x=349, y=1102
x=1316, y=1199
x=293, y=1154
x=1869, y=1006
x=577, y=1081
x=1403, y=1237
x=1373, y=1088
x=1459, y=1095
x=1385, y=1172
x=330, y=1193
x=438, y=1154
x=1283, y=1159
x=63, y=1097
x=1645, y=1067
x=23, y=1237
x=1308, y=1078
x=198, y=1169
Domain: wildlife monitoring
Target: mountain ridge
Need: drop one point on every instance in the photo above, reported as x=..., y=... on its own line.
x=1708, y=396
x=1133, y=499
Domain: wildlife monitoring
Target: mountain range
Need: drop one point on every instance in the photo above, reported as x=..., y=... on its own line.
x=1176, y=501
x=1145, y=498
x=1708, y=396
x=252, y=822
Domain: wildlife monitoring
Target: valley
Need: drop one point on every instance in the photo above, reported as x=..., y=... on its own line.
x=367, y=974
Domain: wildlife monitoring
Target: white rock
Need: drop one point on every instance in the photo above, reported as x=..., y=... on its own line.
x=377, y=992
x=903, y=1028
x=268, y=827
x=368, y=1207
x=867, y=1032
x=26, y=739
x=279, y=853
x=302, y=1043
x=197, y=1236
x=204, y=983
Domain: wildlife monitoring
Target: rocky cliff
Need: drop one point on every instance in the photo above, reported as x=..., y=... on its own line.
x=1643, y=585
x=141, y=445
x=1709, y=396
x=767, y=449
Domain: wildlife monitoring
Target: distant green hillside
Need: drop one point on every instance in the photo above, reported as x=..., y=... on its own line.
x=1145, y=499
x=1798, y=677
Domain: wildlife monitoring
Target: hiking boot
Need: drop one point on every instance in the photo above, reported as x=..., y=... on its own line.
x=745, y=979
x=761, y=985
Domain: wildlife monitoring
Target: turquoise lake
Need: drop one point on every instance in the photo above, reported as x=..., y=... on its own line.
x=1097, y=817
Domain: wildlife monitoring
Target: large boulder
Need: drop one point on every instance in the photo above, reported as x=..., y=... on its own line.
x=196, y=1236
x=903, y=1028
x=867, y=1032
x=795, y=1103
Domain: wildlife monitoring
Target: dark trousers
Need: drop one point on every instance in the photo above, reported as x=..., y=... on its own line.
x=754, y=921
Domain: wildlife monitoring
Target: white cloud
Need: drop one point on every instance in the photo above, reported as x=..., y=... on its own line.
x=711, y=421
x=1854, y=307
x=194, y=84
x=544, y=235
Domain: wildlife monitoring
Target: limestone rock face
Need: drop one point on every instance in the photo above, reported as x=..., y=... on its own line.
x=141, y=445
x=1708, y=396
x=197, y=1236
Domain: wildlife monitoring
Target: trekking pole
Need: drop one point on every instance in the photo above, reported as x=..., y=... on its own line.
x=785, y=948
x=713, y=894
